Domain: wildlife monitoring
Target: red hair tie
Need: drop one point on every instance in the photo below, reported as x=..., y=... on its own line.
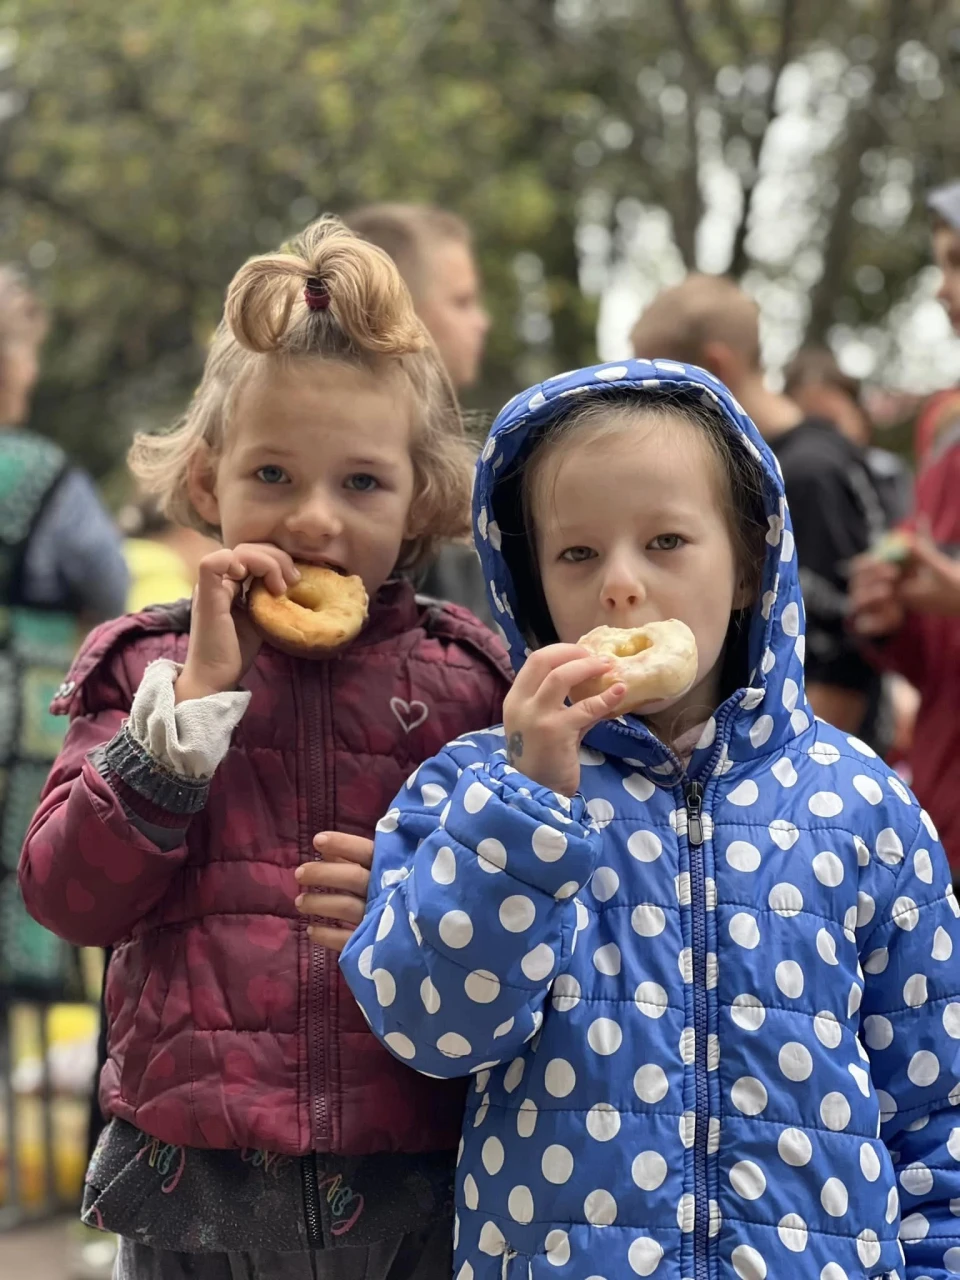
x=315, y=294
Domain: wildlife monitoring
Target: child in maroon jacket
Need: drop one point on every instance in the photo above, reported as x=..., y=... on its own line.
x=257, y=1128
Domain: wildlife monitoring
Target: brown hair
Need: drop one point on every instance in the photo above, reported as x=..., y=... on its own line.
x=370, y=323
x=818, y=367
x=406, y=232
x=680, y=321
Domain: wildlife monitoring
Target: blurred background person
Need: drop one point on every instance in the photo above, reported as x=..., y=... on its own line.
x=909, y=606
x=938, y=426
x=814, y=380
x=61, y=571
x=433, y=250
x=709, y=321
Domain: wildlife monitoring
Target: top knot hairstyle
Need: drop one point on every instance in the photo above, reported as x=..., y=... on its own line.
x=330, y=295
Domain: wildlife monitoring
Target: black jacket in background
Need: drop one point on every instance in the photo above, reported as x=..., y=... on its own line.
x=837, y=513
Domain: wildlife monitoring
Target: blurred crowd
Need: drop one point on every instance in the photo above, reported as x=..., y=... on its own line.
x=877, y=536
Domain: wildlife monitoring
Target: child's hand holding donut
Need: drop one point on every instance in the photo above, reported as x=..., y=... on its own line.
x=343, y=876
x=223, y=642
x=543, y=733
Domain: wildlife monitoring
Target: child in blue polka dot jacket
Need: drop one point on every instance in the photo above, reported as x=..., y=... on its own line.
x=703, y=964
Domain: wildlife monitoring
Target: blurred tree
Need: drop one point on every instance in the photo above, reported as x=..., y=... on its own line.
x=146, y=149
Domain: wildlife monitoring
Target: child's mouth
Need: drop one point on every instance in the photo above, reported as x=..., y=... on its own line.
x=322, y=563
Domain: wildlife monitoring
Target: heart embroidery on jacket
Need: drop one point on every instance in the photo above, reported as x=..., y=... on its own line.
x=409, y=714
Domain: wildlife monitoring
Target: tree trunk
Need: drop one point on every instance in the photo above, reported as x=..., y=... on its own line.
x=788, y=16
x=866, y=130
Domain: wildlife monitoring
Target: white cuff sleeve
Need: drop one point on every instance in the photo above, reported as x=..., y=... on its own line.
x=192, y=737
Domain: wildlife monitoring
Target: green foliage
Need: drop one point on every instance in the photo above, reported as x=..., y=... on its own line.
x=148, y=147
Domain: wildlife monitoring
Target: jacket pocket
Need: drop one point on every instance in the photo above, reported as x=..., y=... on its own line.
x=137, y=1047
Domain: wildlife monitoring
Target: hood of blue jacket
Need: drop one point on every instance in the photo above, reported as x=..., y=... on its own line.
x=772, y=707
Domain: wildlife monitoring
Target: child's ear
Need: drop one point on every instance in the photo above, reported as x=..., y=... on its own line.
x=202, y=486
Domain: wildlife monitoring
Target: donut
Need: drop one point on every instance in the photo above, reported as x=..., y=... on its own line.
x=324, y=610
x=657, y=663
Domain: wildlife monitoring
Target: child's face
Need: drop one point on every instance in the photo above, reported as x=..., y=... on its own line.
x=630, y=530
x=946, y=254
x=316, y=462
x=452, y=311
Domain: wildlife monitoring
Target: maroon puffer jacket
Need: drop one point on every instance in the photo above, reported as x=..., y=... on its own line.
x=227, y=1027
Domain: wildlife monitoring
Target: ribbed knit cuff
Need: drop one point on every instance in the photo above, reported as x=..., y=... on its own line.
x=148, y=777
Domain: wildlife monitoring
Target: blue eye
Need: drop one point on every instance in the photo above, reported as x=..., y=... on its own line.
x=362, y=483
x=667, y=542
x=271, y=474
x=577, y=555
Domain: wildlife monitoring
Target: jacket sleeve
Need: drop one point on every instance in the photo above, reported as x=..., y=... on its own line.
x=109, y=833
x=911, y=1025
x=472, y=913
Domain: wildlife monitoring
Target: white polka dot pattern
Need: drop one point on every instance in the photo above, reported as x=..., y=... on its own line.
x=601, y=976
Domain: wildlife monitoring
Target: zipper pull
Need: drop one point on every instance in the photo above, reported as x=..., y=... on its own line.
x=693, y=794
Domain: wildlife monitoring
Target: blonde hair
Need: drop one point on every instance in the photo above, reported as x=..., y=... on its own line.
x=680, y=321
x=369, y=322
x=407, y=232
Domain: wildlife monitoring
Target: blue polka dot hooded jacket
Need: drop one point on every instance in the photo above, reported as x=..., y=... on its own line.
x=712, y=1014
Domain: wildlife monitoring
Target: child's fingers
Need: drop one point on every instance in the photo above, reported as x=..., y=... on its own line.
x=329, y=936
x=212, y=571
x=591, y=710
x=332, y=845
x=273, y=566
x=540, y=663
x=267, y=570
x=561, y=680
x=344, y=877
x=332, y=906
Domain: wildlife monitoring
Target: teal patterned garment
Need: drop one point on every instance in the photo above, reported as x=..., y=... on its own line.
x=36, y=648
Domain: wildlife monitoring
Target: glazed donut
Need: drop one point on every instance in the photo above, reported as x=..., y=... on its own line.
x=657, y=663
x=323, y=610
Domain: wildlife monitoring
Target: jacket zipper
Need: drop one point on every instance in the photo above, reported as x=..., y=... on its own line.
x=311, y=1200
x=693, y=797
x=319, y=779
x=315, y=707
x=693, y=802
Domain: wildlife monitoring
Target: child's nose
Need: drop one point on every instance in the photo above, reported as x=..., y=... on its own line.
x=315, y=517
x=623, y=589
